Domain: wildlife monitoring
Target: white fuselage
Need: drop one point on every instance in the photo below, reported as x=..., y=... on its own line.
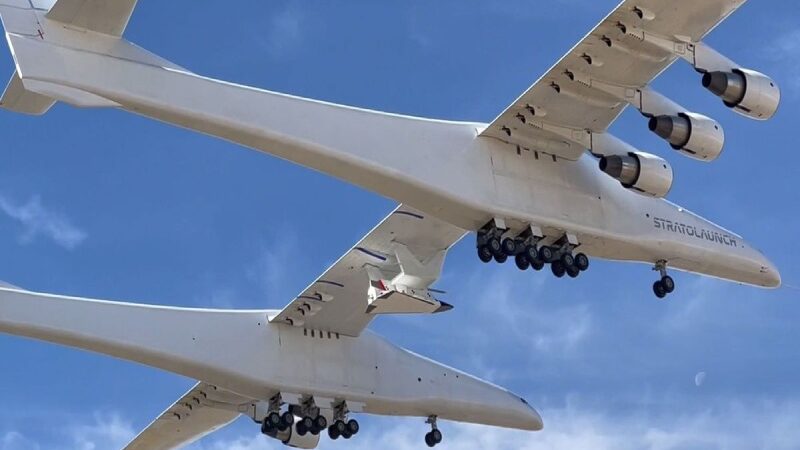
x=439, y=167
x=241, y=352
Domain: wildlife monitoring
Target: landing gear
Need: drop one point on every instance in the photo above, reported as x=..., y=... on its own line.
x=495, y=243
x=666, y=285
x=558, y=269
x=546, y=253
x=485, y=254
x=275, y=421
x=305, y=426
x=341, y=426
x=433, y=437
x=522, y=262
x=582, y=262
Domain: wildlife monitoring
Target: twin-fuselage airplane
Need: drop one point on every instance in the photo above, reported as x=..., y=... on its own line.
x=545, y=183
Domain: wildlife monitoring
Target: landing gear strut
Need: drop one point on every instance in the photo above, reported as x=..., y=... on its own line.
x=666, y=285
x=433, y=437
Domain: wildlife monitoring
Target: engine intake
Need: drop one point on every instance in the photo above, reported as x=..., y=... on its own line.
x=749, y=93
x=641, y=172
x=694, y=135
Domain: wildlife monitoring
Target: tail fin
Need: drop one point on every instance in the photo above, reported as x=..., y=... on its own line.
x=44, y=35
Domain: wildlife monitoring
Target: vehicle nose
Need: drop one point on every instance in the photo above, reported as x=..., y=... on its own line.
x=770, y=275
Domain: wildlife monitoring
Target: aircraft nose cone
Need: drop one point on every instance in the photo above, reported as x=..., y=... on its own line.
x=772, y=276
x=533, y=420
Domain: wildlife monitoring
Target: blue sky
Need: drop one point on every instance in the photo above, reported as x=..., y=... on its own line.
x=101, y=203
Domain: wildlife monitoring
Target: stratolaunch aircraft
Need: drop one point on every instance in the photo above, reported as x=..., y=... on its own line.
x=545, y=183
x=296, y=372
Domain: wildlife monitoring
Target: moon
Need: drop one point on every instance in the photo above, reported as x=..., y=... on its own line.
x=699, y=379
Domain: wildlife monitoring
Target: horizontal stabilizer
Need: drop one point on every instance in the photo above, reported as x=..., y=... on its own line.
x=103, y=16
x=18, y=99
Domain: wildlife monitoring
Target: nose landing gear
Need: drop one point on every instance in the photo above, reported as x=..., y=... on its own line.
x=666, y=285
x=433, y=437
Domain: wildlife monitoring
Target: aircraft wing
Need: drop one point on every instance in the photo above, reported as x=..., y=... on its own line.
x=389, y=271
x=554, y=115
x=203, y=410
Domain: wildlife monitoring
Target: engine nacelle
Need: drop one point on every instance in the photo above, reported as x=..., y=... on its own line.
x=642, y=172
x=749, y=93
x=692, y=134
x=292, y=438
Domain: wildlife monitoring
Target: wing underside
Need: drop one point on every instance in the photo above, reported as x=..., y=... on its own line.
x=203, y=410
x=388, y=272
x=613, y=56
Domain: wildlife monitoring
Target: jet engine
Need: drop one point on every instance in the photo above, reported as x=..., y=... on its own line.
x=749, y=93
x=692, y=134
x=641, y=172
x=292, y=438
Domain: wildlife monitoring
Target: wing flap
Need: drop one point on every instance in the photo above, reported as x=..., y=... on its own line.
x=203, y=410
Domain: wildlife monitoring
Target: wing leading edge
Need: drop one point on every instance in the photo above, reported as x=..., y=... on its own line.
x=203, y=410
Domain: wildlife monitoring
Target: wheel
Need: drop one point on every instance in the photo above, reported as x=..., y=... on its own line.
x=567, y=259
x=347, y=434
x=582, y=262
x=321, y=422
x=340, y=426
x=266, y=428
x=558, y=269
x=501, y=257
x=537, y=265
x=437, y=436
x=522, y=262
x=301, y=428
x=546, y=254
x=274, y=420
x=352, y=426
x=429, y=441
x=659, y=290
x=333, y=433
x=287, y=420
x=509, y=246
x=668, y=283
x=573, y=271
x=485, y=254
x=531, y=253
x=494, y=246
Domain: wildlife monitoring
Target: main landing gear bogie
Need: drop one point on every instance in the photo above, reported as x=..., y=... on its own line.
x=343, y=429
x=493, y=244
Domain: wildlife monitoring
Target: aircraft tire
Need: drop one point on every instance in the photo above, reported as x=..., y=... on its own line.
x=485, y=254
x=522, y=262
x=659, y=290
x=558, y=269
x=668, y=284
x=582, y=262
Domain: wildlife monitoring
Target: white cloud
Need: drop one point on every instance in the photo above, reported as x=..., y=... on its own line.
x=38, y=220
x=784, y=51
x=107, y=432
x=284, y=31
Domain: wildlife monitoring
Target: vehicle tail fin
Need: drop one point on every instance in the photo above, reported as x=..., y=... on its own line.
x=18, y=99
